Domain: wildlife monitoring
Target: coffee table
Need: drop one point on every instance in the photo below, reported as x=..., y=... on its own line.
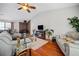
x=24, y=49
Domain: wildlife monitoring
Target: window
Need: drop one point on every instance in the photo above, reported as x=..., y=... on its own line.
x=1, y=25
x=5, y=25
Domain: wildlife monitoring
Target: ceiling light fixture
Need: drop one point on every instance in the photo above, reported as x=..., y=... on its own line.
x=26, y=6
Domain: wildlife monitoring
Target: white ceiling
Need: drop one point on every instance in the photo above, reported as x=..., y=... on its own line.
x=8, y=11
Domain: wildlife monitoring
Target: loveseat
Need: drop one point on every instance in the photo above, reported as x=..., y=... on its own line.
x=69, y=43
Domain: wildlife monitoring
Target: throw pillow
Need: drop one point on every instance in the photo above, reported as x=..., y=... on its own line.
x=69, y=39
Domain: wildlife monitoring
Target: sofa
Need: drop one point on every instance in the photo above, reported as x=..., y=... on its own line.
x=69, y=43
x=7, y=45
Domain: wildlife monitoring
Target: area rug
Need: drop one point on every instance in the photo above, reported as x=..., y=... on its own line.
x=38, y=43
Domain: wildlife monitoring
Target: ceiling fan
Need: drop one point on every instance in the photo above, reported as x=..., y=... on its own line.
x=26, y=6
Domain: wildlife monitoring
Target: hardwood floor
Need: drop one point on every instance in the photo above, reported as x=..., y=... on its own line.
x=49, y=49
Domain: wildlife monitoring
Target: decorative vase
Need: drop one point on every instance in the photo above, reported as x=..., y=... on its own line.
x=53, y=39
x=24, y=40
x=50, y=37
x=77, y=29
x=18, y=42
x=24, y=37
x=46, y=36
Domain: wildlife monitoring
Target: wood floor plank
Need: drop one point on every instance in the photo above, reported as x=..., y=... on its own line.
x=49, y=49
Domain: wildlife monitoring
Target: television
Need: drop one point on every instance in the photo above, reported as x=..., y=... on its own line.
x=40, y=27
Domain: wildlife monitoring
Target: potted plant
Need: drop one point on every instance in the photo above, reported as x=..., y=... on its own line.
x=74, y=21
x=49, y=33
x=53, y=38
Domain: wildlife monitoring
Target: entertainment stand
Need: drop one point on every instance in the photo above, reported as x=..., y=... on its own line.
x=40, y=34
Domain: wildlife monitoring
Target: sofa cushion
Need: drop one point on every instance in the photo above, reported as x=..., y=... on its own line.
x=16, y=34
x=69, y=39
x=74, y=35
x=5, y=49
x=76, y=42
x=6, y=34
x=6, y=40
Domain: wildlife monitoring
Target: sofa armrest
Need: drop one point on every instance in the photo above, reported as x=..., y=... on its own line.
x=5, y=49
x=74, y=45
x=74, y=50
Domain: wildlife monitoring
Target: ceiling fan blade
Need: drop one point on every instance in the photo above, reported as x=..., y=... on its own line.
x=28, y=10
x=32, y=7
x=20, y=8
x=18, y=3
x=23, y=4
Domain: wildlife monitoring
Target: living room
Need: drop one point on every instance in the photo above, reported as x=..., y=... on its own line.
x=39, y=26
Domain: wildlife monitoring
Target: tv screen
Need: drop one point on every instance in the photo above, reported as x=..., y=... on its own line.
x=40, y=27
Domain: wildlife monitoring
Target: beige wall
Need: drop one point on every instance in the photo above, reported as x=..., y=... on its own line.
x=56, y=19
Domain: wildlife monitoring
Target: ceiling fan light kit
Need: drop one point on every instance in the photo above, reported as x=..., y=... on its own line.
x=25, y=6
